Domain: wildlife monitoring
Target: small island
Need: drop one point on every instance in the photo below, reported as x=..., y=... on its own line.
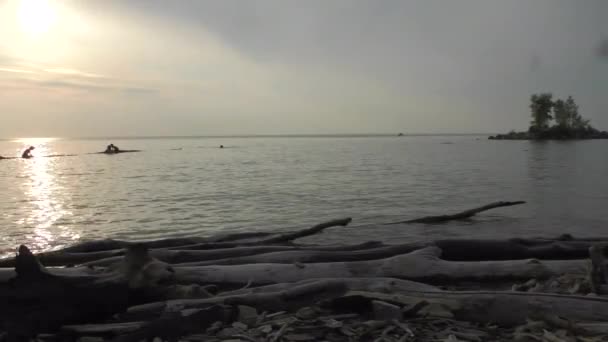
x=569, y=124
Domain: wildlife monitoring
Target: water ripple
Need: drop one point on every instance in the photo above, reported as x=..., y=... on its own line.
x=281, y=184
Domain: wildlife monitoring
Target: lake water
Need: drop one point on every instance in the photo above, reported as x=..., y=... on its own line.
x=283, y=183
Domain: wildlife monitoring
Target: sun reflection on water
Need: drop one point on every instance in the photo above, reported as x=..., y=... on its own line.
x=44, y=198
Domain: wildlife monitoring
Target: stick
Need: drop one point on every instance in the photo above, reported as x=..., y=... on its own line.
x=461, y=215
x=306, y=232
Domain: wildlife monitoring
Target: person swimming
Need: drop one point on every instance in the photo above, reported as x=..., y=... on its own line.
x=28, y=152
x=221, y=146
x=112, y=149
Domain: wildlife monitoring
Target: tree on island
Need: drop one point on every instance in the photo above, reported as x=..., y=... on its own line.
x=575, y=120
x=567, y=116
x=569, y=124
x=561, y=114
x=541, y=105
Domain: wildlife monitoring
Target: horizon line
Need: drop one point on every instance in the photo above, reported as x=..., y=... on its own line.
x=279, y=135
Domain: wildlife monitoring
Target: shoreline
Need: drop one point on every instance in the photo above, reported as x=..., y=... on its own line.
x=553, y=134
x=265, y=286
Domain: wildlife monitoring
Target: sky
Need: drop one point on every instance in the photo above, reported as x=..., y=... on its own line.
x=195, y=67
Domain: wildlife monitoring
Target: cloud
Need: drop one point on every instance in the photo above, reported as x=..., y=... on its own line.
x=67, y=84
x=15, y=70
x=20, y=74
x=73, y=72
x=276, y=66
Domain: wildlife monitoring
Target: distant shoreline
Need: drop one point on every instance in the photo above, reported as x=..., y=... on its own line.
x=554, y=134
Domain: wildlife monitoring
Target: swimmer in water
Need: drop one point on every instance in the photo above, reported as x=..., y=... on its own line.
x=111, y=149
x=28, y=152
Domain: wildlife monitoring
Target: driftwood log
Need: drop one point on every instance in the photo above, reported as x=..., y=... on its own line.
x=38, y=301
x=278, y=297
x=421, y=265
x=201, y=251
x=452, y=249
x=103, y=249
x=504, y=308
x=105, y=258
x=256, y=238
x=129, y=291
x=169, y=327
x=461, y=215
x=183, y=256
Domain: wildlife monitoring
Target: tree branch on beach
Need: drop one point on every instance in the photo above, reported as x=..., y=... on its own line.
x=461, y=215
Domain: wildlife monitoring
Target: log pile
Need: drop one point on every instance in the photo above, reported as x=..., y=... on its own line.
x=267, y=287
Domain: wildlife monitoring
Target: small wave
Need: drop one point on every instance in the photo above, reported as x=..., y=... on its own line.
x=59, y=155
x=135, y=177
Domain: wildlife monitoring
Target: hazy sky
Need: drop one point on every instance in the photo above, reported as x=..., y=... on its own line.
x=157, y=67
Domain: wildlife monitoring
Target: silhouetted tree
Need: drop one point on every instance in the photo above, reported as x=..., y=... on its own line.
x=540, y=105
x=575, y=119
x=561, y=114
x=569, y=123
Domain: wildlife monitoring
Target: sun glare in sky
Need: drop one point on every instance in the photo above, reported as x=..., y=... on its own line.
x=36, y=17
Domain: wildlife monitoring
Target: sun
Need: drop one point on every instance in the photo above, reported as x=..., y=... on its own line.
x=36, y=16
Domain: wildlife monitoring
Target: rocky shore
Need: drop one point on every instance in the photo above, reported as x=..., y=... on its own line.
x=268, y=287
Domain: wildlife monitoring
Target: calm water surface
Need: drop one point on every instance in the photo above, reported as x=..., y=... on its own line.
x=277, y=184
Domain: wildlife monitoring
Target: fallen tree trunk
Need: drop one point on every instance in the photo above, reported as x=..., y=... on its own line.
x=421, y=265
x=311, y=256
x=282, y=239
x=182, y=256
x=381, y=285
x=169, y=327
x=453, y=250
x=512, y=249
x=306, y=232
x=461, y=215
x=110, y=244
x=37, y=299
x=95, y=250
x=101, y=330
x=227, y=245
x=285, y=298
x=6, y=274
x=60, y=258
x=502, y=308
x=231, y=237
